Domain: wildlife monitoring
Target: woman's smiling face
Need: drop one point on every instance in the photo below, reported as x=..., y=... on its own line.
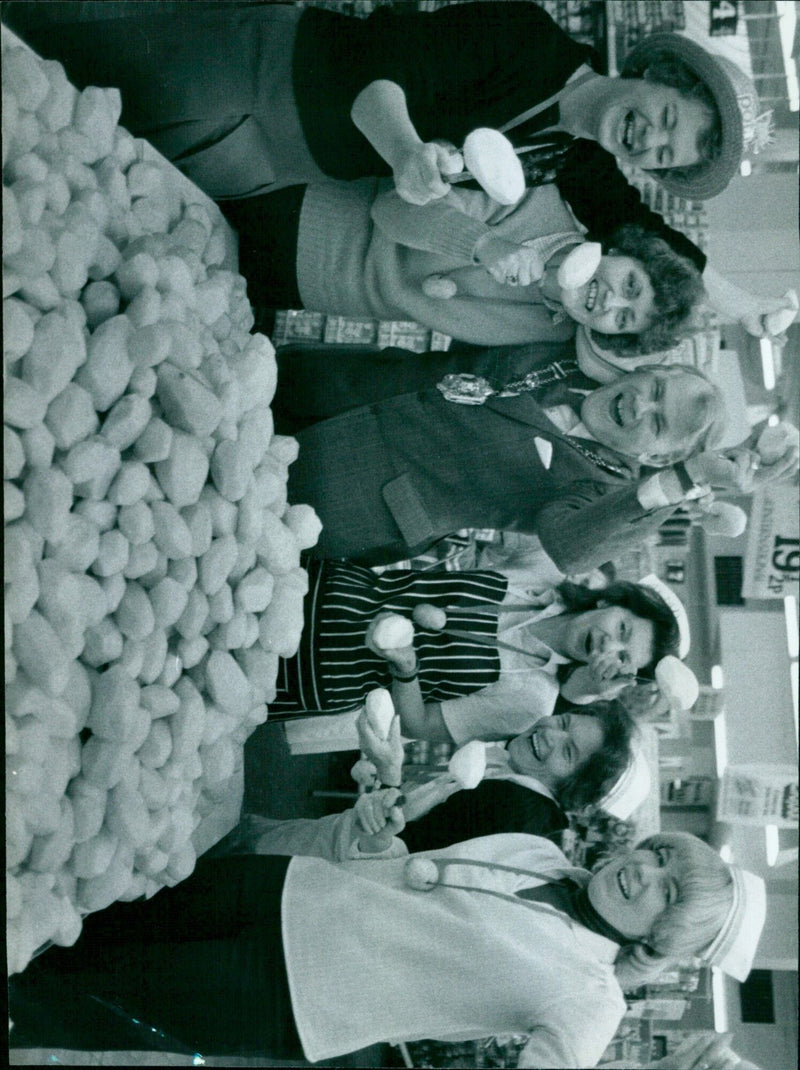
x=611, y=631
x=556, y=746
x=618, y=299
x=652, y=126
x=632, y=891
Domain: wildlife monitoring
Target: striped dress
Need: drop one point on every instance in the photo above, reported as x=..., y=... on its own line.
x=333, y=670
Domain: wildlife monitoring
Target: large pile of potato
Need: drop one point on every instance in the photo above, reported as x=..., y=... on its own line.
x=152, y=573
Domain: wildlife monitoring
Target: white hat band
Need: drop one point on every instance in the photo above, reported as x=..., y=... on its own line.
x=734, y=946
x=676, y=607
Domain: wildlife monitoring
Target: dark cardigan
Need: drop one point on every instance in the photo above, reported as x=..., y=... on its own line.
x=493, y=806
x=461, y=66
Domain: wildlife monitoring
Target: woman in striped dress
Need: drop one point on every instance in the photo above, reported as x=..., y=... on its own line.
x=494, y=669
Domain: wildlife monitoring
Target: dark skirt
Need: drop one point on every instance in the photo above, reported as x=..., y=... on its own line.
x=209, y=84
x=333, y=670
x=198, y=968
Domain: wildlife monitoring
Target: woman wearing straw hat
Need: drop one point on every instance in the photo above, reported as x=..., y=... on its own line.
x=307, y=958
x=246, y=98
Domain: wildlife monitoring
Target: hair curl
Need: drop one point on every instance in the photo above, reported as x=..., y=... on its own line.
x=590, y=781
x=639, y=599
x=677, y=291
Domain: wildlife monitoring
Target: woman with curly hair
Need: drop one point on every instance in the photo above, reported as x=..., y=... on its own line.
x=487, y=665
x=677, y=293
x=479, y=271
x=246, y=98
x=567, y=762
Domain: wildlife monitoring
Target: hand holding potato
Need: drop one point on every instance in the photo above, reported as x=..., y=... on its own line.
x=403, y=658
x=380, y=818
x=421, y=175
x=385, y=755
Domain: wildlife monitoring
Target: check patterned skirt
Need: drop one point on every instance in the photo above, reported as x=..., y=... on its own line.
x=333, y=670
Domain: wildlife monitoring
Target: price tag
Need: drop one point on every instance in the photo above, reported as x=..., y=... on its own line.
x=724, y=17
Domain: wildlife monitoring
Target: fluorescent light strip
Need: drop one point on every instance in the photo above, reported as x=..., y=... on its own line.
x=772, y=846
x=767, y=363
x=792, y=636
x=787, y=23
x=718, y=1000
x=721, y=743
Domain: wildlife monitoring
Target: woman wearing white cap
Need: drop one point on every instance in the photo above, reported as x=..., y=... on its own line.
x=566, y=762
x=304, y=958
x=483, y=659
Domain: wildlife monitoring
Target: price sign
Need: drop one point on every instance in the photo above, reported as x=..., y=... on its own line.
x=759, y=794
x=772, y=561
x=724, y=16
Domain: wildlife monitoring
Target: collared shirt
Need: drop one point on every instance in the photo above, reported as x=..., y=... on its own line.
x=527, y=688
x=649, y=492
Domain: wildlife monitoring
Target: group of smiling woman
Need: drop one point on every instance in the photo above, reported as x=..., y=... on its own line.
x=330, y=143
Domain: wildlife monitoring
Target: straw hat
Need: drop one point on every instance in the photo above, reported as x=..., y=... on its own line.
x=734, y=946
x=745, y=128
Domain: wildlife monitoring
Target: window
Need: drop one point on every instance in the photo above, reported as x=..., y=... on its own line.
x=728, y=573
x=755, y=997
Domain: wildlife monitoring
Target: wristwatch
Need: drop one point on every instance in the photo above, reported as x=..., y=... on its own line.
x=404, y=677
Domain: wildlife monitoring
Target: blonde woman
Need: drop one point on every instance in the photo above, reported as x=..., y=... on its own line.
x=304, y=958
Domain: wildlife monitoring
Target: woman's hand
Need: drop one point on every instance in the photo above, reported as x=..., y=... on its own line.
x=755, y=319
x=387, y=754
x=783, y=470
x=740, y=471
x=421, y=172
x=584, y=684
x=403, y=658
x=643, y=701
x=380, y=818
x=607, y=672
x=507, y=262
x=732, y=470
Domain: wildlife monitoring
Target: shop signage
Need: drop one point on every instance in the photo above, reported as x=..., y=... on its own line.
x=759, y=793
x=724, y=17
x=772, y=560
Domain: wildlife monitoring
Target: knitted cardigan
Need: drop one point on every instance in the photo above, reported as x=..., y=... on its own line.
x=363, y=251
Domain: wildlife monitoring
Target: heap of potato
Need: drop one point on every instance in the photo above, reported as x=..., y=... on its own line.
x=152, y=575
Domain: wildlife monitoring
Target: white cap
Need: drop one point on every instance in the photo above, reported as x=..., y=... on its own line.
x=734, y=947
x=676, y=607
x=677, y=683
x=631, y=789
